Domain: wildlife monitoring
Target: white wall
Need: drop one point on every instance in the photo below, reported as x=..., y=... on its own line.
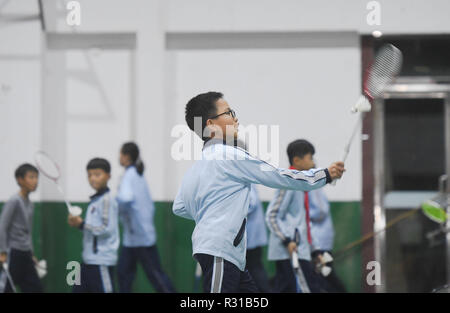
x=42, y=105
x=20, y=91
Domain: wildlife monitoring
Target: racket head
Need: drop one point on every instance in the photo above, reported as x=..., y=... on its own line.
x=386, y=65
x=47, y=165
x=434, y=211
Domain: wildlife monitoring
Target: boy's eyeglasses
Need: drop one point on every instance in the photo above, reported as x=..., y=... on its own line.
x=232, y=113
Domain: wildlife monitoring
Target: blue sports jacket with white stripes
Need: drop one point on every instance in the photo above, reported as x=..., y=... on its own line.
x=286, y=219
x=215, y=193
x=101, y=230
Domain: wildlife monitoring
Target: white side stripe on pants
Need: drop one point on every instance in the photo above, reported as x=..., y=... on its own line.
x=106, y=279
x=217, y=275
x=301, y=280
x=3, y=281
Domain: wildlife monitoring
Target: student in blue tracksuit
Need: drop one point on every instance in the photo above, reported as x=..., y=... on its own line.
x=100, y=232
x=287, y=217
x=256, y=240
x=322, y=232
x=136, y=211
x=215, y=193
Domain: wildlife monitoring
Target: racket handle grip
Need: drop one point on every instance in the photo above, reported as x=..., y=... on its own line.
x=295, y=260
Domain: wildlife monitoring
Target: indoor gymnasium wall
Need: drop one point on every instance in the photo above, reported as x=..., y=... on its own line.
x=20, y=92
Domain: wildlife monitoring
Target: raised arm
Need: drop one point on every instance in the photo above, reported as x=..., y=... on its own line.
x=241, y=166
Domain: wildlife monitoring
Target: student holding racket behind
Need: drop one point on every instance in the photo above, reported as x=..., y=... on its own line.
x=136, y=210
x=16, y=246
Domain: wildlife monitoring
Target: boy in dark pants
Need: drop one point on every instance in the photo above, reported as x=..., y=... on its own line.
x=100, y=233
x=215, y=193
x=16, y=245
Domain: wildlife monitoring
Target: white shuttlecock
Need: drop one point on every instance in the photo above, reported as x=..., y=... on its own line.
x=41, y=268
x=326, y=270
x=362, y=105
x=326, y=257
x=75, y=211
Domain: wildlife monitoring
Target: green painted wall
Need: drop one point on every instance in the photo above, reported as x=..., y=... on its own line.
x=58, y=243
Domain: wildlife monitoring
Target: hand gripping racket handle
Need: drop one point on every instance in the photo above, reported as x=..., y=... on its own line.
x=295, y=264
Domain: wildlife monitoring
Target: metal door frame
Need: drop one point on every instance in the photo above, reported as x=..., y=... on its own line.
x=408, y=88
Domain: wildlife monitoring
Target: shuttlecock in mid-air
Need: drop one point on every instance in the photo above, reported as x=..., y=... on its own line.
x=362, y=105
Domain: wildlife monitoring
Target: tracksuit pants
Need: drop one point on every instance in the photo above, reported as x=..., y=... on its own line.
x=22, y=271
x=221, y=276
x=256, y=269
x=149, y=259
x=285, y=279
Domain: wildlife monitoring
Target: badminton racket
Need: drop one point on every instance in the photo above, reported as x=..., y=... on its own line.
x=300, y=277
x=11, y=282
x=386, y=66
x=51, y=170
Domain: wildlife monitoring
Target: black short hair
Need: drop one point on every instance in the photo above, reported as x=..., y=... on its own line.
x=204, y=106
x=23, y=169
x=99, y=163
x=299, y=148
x=132, y=150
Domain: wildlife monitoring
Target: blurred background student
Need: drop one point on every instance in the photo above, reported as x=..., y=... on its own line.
x=136, y=211
x=16, y=244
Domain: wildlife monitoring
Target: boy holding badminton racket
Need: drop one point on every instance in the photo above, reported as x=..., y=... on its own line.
x=100, y=232
x=287, y=217
x=16, y=245
x=215, y=193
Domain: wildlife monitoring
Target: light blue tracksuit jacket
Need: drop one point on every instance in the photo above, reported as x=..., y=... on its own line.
x=322, y=230
x=136, y=210
x=256, y=227
x=215, y=193
x=101, y=230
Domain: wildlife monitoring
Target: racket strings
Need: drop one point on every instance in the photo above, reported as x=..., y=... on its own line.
x=387, y=65
x=46, y=165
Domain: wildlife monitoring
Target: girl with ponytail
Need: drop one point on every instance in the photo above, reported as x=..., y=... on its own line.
x=136, y=211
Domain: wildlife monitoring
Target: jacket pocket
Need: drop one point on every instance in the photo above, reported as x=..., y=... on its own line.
x=240, y=234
